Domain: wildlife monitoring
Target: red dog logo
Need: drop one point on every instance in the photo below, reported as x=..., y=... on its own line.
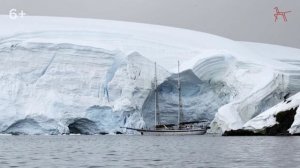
x=282, y=14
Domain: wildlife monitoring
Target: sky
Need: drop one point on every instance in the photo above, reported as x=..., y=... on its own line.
x=242, y=20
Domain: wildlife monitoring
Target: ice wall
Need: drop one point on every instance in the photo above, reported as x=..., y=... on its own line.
x=93, y=76
x=65, y=88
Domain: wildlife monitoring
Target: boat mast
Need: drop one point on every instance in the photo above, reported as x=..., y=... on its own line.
x=180, y=113
x=156, y=98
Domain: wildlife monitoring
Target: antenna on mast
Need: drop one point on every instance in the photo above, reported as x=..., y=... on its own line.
x=180, y=113
x=156, y=116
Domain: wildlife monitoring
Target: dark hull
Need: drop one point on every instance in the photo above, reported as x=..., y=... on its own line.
x=170, y=132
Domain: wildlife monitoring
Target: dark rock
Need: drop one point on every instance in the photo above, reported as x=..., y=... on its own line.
x=284, y=121
x=285, y=97
x=241, y=132
x=118, y=133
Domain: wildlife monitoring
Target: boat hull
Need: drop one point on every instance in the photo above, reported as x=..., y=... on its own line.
x=171, y=132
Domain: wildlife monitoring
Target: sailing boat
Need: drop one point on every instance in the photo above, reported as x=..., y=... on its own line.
x=181, y=128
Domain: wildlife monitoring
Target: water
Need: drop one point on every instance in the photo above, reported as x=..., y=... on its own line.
x=147, y=151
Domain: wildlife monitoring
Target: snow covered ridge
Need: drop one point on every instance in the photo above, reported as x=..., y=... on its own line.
x=66, y=75
x=281, y=119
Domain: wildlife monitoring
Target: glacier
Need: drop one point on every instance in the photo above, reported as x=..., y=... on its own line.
x=87, y=76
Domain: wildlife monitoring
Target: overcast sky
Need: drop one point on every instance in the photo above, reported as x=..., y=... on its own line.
x=245, y=20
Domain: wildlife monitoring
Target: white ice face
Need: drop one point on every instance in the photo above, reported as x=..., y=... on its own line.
x=62, y=75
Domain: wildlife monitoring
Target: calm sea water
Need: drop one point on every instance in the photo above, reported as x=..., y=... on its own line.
x=147, y=151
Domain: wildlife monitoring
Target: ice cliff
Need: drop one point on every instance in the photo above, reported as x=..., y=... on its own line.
x=66, y=75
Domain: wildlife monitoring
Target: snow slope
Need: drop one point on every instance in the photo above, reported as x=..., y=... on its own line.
x=268, y=119
x=61, y=75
